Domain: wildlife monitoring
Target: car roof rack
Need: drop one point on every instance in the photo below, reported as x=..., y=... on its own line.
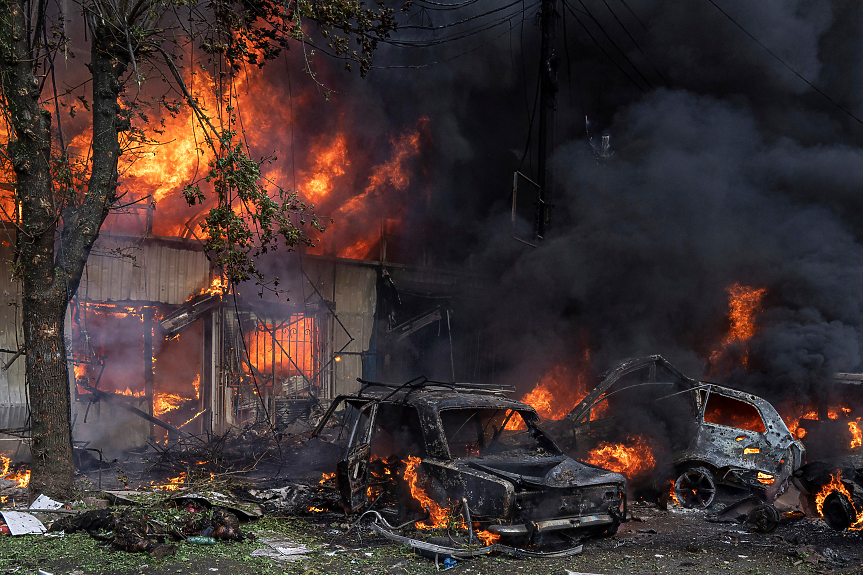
x=422, y=383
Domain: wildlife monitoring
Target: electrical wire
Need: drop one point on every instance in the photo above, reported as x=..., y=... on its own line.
x=482, y=27
x=658, y=73
x=468, y=19
x=613, y=43
x=784, y=63
x=598, y=45
x=637, y=19
x=445, y=60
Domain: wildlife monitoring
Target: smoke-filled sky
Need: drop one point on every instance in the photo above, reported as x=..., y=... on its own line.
x=735, y=171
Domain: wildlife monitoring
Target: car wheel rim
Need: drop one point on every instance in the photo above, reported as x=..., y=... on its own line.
x=695, y=488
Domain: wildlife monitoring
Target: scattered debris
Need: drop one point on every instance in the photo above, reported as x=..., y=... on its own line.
x=44, y=503
x=21, y=523
x=280, y=549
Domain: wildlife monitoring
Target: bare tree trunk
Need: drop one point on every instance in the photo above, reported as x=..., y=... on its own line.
x=49, y=279
x=44, y=301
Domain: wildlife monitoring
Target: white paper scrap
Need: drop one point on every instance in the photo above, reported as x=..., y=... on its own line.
x=280, y=549
x=44, y=503
x=20, y=523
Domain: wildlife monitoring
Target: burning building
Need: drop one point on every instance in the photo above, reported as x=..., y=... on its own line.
x=158, y=346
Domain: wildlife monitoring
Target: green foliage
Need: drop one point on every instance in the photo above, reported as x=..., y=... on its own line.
x=250, y=218
x=255, y=32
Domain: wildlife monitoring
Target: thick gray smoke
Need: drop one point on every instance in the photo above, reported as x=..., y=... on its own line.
x=736, y=172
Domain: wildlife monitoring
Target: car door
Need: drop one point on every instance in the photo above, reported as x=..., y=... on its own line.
x=352, y=471
x=731, y=431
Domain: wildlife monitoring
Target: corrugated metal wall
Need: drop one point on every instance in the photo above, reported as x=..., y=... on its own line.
x=13, y=400
x=352, y=289
x=129, y=269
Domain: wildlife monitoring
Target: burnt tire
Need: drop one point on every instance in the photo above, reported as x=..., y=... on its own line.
x=763, y=519
x=695, y=488
x=838, y=511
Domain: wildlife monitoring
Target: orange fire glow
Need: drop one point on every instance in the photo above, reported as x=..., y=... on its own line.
x=672, y=495
x=166, y=402
x=765, y=478
x=396, y=174
x=856, y=433
x=327, y=477
x=217, y=287
x=793, y=418
x=437, y=515
x=633, y=459
x=487, y=537
x=330, y=161
x=130, y=393
x=22, y=476
x=293, y=345
x=744, y=303
x=174, y=483
x=837, y=485
x=556, y=394
x=315, y=510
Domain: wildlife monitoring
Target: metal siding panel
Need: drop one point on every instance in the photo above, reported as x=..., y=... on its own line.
x=13, y=403
x=159, y=273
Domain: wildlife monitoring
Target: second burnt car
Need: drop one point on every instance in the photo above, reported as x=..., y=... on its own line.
x=703, y=435
x=467, y=454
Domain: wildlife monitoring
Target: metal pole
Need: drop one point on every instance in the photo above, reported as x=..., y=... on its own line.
x=149, y=314
x=547, y=104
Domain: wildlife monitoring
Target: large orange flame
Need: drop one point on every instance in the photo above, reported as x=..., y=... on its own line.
x=744, y=304
x=856, y=433
x=487, y=537
x=167, y=402
x=330, y=161
x=291, y=349
x=174, y=483
x=556, y=394
x=438, y=515
x=632, y=459
x=22, y=476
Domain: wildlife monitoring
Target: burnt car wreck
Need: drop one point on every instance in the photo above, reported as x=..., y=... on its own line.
x=703, y=436
x=467, y=459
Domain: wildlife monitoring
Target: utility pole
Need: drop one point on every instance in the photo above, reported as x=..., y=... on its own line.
x=547, y=105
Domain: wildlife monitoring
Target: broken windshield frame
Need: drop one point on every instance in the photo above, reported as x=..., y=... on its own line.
x=480, y=442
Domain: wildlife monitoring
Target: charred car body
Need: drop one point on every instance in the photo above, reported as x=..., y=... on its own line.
x=513, y=483
x=704, y=434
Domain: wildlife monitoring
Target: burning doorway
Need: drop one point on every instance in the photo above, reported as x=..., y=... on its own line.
x=119, y=350
x=272, y=359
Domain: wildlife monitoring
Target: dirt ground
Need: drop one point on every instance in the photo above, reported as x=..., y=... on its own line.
x=655, y=540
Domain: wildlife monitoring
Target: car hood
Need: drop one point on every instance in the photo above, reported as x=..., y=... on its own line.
x=558, y=472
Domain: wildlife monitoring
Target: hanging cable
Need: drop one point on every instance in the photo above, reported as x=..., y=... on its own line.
x=658, y=73
x=598, y=45
x=781, y=61
x=613, y=43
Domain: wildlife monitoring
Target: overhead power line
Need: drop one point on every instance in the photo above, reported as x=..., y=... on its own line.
x=784, y=63
x=598, y=45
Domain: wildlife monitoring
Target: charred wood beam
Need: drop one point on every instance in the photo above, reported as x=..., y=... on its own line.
x=413, y=325
x=142, y=414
